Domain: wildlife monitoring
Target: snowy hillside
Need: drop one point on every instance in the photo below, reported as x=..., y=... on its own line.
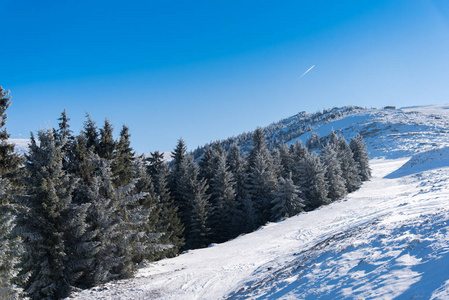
x=387, y=240
x=21, y=145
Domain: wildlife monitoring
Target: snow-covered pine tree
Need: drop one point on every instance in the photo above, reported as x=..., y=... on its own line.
x=107, y=143
x=9, y=161
x=49, y=222
x=180, y=183
x=259, y=147
x=64, y=137
x=170, y=222
x=207, y=164
x=358, y=148
x=349, y=168
x=148, y=234
x=11, y=249
x=122, y=166
x=102, y=218
x=314, y=142
x=245, y=210
x=334, y=178
x=197, y=235
x=192, y=196
x=276, y=160
x=286, y=202
x=261, y=183
x=91, y=134
x=260, y=178
x=311, y=181
x=155, y=164
x=223, y=206
x=286, y=160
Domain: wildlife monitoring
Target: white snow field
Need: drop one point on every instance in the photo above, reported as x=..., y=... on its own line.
x=388, y=240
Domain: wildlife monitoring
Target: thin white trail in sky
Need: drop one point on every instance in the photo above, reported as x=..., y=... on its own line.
x=307, y=71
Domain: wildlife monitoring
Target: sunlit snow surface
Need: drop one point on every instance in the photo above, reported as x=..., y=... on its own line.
x=387, y=240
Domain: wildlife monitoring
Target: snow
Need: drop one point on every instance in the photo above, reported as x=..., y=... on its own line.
x=389, y=239
x=21, y=145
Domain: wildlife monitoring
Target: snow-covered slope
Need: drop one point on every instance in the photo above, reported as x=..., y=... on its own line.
x=21, y=145
x=387, y=240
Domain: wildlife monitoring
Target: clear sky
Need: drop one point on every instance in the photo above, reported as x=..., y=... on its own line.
x=207, y=70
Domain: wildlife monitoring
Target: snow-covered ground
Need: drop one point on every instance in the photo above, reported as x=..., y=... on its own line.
x=387, y=240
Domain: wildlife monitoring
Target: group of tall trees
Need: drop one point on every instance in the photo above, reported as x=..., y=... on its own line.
x=80, y=210
x=227, y=193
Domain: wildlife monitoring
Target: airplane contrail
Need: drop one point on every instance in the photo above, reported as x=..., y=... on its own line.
x=307, y=71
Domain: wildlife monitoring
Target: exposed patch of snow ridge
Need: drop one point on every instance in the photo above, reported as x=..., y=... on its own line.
x=389, y=239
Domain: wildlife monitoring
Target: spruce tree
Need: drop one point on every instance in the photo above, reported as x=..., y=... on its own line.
x=169, y=220
x=261, y=183
x=313, y=142
x=9, y=161
x=107, y=144
x=155, y=164
x=349, y=168
x=197, y=235
x=358, y=148
x=334, y=176
x=223, y=216
x=11, y=249
x=244, y=214
x=207, y=164
x=180, y=178
x=49, y=222
x=286, y=160
x=122, y=166
x=286, y=202
x=312, y=182
x=91, y=133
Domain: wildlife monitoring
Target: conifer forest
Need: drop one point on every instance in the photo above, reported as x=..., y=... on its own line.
x=82, y=209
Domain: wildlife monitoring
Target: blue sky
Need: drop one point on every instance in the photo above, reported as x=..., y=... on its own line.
x=207, y=70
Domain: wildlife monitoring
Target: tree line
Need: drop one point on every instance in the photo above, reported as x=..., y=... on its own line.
x=81, y=210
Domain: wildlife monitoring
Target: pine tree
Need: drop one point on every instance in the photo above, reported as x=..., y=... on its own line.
x=313, y=142
x=11, y=249
x=49, y=222
x=334, y=176
x=9, y=161
x=91, y=133
x=261, y=183
x=146, y=241
x=180, y=179
x=170, y=222
x=107, y=144
x=312, y=182
x=286, y=202
x=286, y=160
x=103, y=220
x=207, y=164
x=155, y=164
x=223, y=216
x=260, y=178
x=122, y=166
x=244, y=214
x=348, y=165
x=259, y=147
x=197, y=235
x=358, y=148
